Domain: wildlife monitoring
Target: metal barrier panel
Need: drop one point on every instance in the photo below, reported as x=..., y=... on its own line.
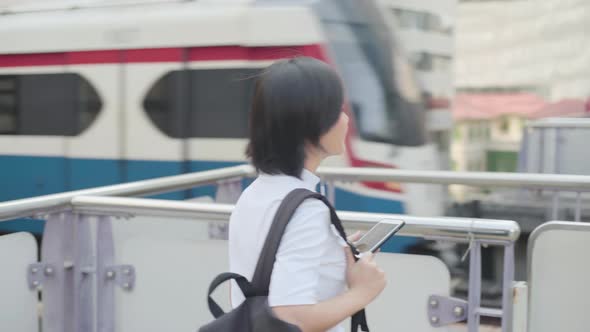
x=411, y=280
x=171, y=285
x=18, y=303
x=558, y=270
x=173, y=274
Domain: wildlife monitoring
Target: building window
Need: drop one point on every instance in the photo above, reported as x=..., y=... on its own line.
x=412, y=19
x=211, y=103
x=47, y=104
x=457, y=134
x=505, y=125
x=431, y=62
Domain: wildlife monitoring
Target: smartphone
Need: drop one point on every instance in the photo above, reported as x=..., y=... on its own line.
x=376, y=236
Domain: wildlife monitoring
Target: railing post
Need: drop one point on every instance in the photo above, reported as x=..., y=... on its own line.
x=507, y=297
x=105, y=290
x=331, y=192
x=227, y=192
x=578, y=206
x=57, y=250
x=555, y=206
x=474, y=298
x=84, y=274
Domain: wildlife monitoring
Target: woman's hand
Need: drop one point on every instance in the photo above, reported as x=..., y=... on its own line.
x=357, y=236
x=354, y=237
x=364, y=277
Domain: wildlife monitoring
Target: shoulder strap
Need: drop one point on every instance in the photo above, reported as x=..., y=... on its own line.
x=266, y=261
x=265, y=265
x=242, y=282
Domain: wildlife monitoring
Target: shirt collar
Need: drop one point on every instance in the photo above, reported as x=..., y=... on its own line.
x=309, y=179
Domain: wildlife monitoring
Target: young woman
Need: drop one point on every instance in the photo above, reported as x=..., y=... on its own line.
x=296, y=121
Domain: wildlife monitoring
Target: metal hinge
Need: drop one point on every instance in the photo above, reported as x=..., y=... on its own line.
x=444, y=310
x=37, y=273
x=122, y=275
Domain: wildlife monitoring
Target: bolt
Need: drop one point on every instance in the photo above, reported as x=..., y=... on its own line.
x=433, y=303
x=34, y=270
x=127, y=285
x=434, y=320
x=127, y=271
x=48, y=271
x=35, y=283
x=110, y=274
x=458, y=311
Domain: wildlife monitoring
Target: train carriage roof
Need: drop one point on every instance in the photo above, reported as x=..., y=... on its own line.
x=26, y=28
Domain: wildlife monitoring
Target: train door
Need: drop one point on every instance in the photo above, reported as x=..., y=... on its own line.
x=94, y=154
x=154, y=95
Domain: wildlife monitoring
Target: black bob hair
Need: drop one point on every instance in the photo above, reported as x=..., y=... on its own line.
x=295, y=102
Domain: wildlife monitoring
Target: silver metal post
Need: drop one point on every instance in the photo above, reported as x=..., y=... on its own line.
x=474, y=298
x=555, y=206
x=58, y=294
x=557, y=152
x=105, y=290
x=84, y=276
x=541, y=163
x=507, y=301
x=578, y=206
x=331, y=192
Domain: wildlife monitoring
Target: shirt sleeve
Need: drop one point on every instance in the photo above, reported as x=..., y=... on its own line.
x=296, y=272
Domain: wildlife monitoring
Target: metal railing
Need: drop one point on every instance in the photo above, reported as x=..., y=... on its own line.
x=29, y=207
x=329, y=175
x=554, y=183
x=456, y=229
x=477, y=232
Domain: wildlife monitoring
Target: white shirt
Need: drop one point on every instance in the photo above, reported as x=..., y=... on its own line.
x=310, y=265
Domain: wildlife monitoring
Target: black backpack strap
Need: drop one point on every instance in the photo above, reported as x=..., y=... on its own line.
x=242, y=282
x=265, y=265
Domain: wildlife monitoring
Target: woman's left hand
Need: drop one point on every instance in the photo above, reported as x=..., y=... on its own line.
x=357, y=236
x=354, y=237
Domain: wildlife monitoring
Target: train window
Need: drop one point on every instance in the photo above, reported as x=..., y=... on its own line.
x=7, y=105
x=212, y=103
x=47, y=104
x=161, y=104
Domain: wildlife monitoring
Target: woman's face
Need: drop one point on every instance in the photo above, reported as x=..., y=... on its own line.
x=333, y=141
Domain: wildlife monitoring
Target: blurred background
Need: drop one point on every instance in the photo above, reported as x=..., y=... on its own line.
x=96, y=92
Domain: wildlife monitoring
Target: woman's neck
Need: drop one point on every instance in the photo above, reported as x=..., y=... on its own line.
x=312, y=162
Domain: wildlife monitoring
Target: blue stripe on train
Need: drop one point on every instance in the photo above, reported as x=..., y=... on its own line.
x=23, y=177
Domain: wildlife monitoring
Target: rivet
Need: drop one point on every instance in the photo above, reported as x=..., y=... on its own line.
x=110, y=274
x=458, y=311
x=35, y=283
x=434, y=320
x=34, y=270
x=127, y=285
x=433, y=303
x=127, y=271
x=48, y=271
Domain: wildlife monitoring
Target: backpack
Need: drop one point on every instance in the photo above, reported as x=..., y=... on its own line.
x=254, y=314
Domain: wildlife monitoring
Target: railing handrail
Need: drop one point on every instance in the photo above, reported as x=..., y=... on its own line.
x=457, y=229
x=553, y=123
x=487, y=179
x=31, y=206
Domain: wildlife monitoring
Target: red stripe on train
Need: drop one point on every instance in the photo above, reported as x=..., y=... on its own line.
x=150, y=55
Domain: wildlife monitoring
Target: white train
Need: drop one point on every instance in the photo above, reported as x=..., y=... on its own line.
x=110, y=92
